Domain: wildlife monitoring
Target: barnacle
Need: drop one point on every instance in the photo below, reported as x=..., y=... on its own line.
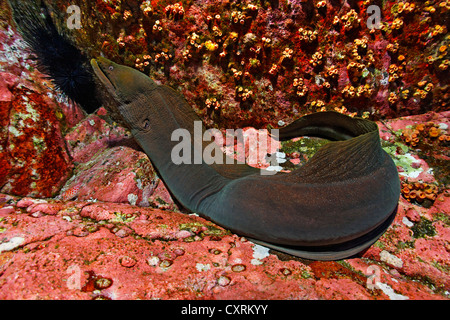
x=307, y=35
x=321, y=4
x=147, y=8
x=397, y=23
x=300, y=87
x=174, y=11
x=212, y=103
x=316, y=58
x=274, y=69
x=350, y=20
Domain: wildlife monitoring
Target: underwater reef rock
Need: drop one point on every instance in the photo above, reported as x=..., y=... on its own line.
x=253, y=63
x=109, y=166
x=59, y=250
x=34, y=160
x=102, y=250
x=49, y=147
x=33, y=157
x=91, y=235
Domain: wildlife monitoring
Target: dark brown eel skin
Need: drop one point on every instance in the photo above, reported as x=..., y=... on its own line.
x=336, y=205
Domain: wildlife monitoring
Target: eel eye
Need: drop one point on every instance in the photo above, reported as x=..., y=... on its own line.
x=111, y=68
x=146, y=124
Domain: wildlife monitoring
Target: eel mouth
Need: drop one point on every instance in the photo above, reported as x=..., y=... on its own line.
x=109, y=95
x=98, y=65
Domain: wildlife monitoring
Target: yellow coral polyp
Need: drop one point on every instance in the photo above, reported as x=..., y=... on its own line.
x=332, y=71
x=343, y=109
x=307, y=35
x=405, y=7
x=437, y=30
x=419, y=191
x=274, y=69
x=317, y=104
x=393, y=68
x=392, y=98
x=433, y=132
x=397, y=23
x=444, y=65
x=233, y=36
x=321, y=4
x=422, y=83
x=430, y=9
x=393, y=47
x=211, y=46
x=147, y=8
x=429, y=87
x=287, y=53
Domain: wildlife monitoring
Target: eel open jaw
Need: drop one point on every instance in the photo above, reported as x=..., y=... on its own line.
x=101, y=74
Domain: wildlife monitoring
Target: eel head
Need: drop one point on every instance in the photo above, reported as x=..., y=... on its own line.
x=127, y=89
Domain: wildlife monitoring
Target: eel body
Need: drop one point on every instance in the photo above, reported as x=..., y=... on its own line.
x=336, y=205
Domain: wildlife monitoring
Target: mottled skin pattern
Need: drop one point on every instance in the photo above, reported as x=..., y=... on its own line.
x=334, y=206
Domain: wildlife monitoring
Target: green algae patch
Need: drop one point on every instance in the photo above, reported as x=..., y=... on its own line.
x=122, y=218
x=423, y=228
x=306, y=145
x=404, y=159
x=201, y=230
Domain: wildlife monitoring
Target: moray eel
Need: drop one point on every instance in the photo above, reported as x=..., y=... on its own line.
x=336, y=205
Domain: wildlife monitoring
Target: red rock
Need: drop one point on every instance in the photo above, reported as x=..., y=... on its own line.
x=5, y=94
x=98, y=168
x=7, y=81
x=27, y=202
x=413, y=215
x=108, y=250
x=97, y=212
x=34, y=148
x=7, y=210
x=74, y=256
x=47, y=208
x=127, y=262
